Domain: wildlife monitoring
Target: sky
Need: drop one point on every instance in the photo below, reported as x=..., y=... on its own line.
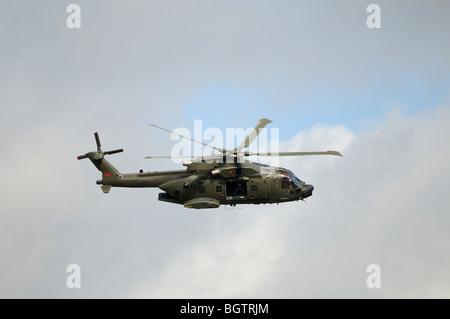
x=379, y=96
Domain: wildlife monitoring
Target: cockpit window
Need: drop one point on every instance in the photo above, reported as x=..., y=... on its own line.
x=297, y=181
x=290, y=179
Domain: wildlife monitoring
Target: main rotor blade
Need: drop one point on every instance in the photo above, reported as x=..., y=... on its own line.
x=253, y=134
x=188, y=138
x=158, y=157
x=335, y=153
x=97, y=140
x=209, y=157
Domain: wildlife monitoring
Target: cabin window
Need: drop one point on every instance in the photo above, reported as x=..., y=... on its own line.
x=285, y=182
x=201, y=189
x=254, y=188
x=219, y=189
x=236, y=189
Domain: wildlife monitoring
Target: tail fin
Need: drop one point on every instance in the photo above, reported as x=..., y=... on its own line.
x=109, y=172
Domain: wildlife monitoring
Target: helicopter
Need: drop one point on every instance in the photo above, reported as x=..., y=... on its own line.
x=227, y=178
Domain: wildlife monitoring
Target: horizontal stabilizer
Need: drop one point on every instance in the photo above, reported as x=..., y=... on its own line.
x=106, y=188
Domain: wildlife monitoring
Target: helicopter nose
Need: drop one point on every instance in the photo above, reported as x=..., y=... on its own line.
x=307, y=191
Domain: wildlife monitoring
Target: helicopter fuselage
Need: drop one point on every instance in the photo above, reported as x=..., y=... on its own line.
x=209, y=185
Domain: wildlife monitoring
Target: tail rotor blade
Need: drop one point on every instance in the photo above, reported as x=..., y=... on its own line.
x=113, y=152
x=97, y=140
x=81, y=157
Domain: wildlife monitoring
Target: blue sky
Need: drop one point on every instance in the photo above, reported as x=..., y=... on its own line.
x=240, y=106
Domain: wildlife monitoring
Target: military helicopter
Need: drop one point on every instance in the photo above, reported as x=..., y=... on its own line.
x=227, y=178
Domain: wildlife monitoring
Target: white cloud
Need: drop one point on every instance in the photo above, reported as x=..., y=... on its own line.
x=384, y=203
x=236, y=261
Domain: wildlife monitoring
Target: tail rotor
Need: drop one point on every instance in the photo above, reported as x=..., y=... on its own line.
x=99, y=154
